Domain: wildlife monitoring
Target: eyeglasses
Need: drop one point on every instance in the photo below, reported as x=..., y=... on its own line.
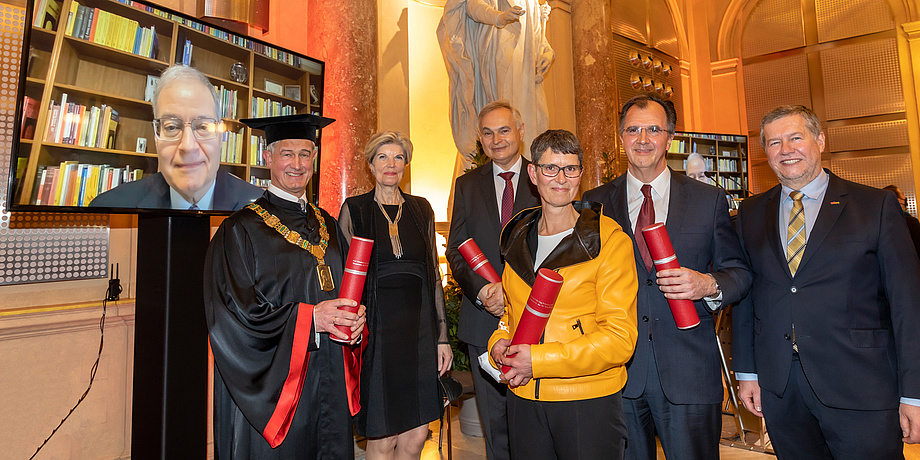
x=551, y=170
x=171, y=129
x=651, y=131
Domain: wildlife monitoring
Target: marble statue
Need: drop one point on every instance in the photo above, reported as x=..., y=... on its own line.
x=495, y=49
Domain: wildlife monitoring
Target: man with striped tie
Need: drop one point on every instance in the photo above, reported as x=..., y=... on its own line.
x=825, y=344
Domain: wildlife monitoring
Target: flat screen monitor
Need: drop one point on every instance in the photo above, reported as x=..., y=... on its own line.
x=84, y=130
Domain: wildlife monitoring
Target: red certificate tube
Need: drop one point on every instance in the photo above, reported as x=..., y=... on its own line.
x=539, y=306
x=359, y=254
x=477, y=260
x=662, y=252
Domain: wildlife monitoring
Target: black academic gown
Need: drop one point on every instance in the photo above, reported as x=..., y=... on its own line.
x=272, y=383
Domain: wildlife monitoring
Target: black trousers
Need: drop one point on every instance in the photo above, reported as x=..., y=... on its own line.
x=687, y=431
x=490, y=399
x=587, y=429
x=800, y=426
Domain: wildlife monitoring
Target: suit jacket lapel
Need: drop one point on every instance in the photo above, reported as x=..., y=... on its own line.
x=487, y=188
x=771, y=223
x=618, y=200
x=522, y=193
x=677, y=203
x=827, y=216
x=158, y=194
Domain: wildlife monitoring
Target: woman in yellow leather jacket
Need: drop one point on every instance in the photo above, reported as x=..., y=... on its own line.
x=565, y=399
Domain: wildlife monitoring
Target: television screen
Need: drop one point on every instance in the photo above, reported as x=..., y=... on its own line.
x=98, y=132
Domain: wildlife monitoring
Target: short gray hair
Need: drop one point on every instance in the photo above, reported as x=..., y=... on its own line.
x=811, y=120
x=500, y=104
x=184, y=72
x=557, y=141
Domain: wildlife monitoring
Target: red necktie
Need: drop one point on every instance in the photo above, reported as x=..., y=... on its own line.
x=507, y=197
x=646, y=218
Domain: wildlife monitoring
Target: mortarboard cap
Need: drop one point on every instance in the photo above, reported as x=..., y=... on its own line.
x=301, y=126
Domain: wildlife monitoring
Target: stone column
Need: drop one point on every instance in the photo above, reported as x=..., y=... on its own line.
x=343, y=34
x=595, y=85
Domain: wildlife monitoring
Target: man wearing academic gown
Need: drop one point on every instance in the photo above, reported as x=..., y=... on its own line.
x=282, y=388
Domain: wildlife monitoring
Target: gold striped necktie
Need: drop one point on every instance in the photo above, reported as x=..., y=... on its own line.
x=795, y=235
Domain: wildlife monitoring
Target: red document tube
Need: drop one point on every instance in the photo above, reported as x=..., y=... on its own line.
x=539, y=306
x=478, y=262
x=359, y=253
x=662, y=252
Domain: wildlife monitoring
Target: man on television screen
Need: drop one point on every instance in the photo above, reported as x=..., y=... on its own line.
x=186, y=127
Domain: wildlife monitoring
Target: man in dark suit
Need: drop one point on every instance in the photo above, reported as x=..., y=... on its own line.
x=230, y=194
x=826, y=346
x=484, y=200
x=674, y=384
x=187, y=159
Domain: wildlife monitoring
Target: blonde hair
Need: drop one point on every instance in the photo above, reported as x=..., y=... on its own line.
x=386, y=138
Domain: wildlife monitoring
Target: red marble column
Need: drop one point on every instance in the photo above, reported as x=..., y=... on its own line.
x=596, y=103
x=343, y=34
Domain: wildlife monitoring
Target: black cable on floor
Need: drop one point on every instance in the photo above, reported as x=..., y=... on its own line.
x=92, y=371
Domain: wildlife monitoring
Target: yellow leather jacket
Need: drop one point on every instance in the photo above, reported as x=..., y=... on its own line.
x=591, y=333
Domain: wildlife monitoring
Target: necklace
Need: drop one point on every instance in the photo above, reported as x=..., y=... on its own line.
x=323, y=272
x=393, y=228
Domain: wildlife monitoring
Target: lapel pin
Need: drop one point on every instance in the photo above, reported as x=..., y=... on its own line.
x=835, y=202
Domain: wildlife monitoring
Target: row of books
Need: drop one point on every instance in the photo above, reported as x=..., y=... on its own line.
x=269, y=108
x=76, y=184
x=231, y=147
x=46, y=14
x=716, y=137
x=187, y=52
x=229, y=102
x=256, y=146
x=731, y=183
x=108, y=29
x=260, y=48
x=29, y=118
x=75, y=124
x=726, y=164
x=203, y=28
x=259, y=182
x=708, y=161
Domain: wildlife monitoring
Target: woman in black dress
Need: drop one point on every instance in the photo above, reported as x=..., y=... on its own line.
x=407, y=348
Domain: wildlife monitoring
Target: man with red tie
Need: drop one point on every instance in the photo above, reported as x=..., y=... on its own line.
x=674, y=384
x=485, y=199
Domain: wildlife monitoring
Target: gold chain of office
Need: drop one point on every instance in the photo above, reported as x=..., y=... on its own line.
x=318, y=250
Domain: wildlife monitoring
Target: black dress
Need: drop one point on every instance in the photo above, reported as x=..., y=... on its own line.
x=399, y=386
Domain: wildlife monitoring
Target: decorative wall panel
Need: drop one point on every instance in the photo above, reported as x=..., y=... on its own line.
x=39, y=246
x=762, y=178
x=773, y=83
x=640, y=69
x=879, y=171
x=662, y=35
x=867, y=136
x=773, y=25
x=862, y=79
x=630, y=20
x=839, y=19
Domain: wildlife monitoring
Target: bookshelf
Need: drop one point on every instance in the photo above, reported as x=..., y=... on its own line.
x=725, y=156
x=88, y=72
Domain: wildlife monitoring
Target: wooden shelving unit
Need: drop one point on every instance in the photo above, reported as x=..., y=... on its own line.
x=92, y=74
x=725, y=156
